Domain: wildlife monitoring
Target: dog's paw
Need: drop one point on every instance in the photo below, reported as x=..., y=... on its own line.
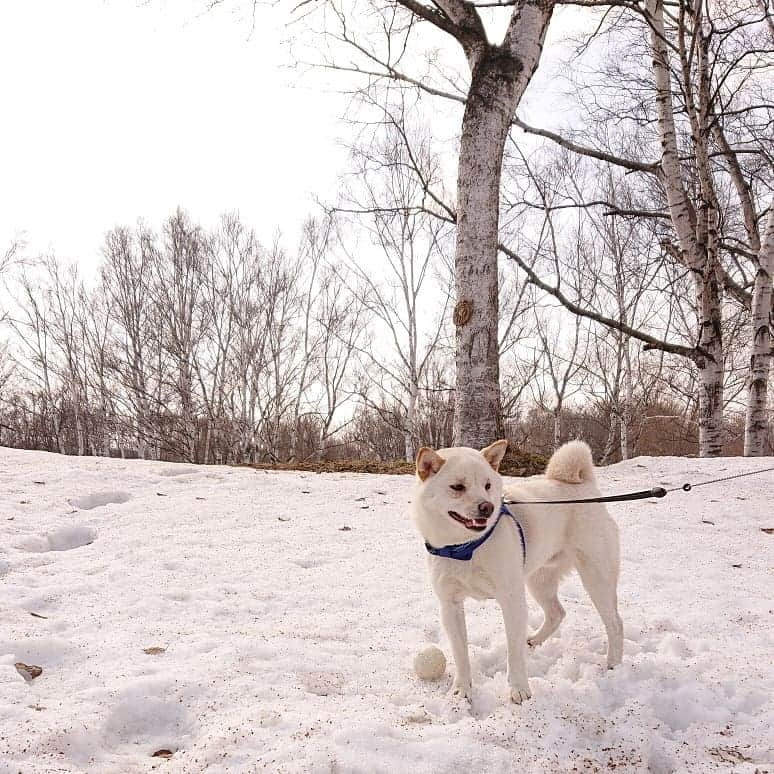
x=520, y=693
x=462, y=691
x=614, y=656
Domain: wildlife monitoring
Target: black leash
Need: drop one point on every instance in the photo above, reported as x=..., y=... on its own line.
x=688, y=487
x=645, y=494
x=657, y=491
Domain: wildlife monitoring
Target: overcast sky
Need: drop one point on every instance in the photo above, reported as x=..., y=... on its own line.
x=119, y=109
x=114, y=110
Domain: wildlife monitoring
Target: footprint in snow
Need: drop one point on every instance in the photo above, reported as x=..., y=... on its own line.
x=98, y=499
x=63, y=539
x=322, y=683
x=310, y=562
x=150, y=721
x=180, y=470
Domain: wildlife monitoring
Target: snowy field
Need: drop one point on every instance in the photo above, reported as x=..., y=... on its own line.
x=266, y=621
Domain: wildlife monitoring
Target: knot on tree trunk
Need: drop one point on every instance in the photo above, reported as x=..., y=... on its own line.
x=463, y=311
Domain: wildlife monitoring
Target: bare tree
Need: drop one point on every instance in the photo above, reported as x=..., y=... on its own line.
x=65, y=295
x=757, y=439
x=561, y=362
x=498, y=74
x=409, y=242
x=340, y=317
x=701, y=112
x=126, y=274
x=30, y=324
x=96, y=328
x=177, y=289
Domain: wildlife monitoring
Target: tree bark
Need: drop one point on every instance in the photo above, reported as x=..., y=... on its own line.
x=699, y=256
x=500, y=75
x=478, y=415
x=757, y=415
x=628, y=400
x=410, y=431
x=557, y=427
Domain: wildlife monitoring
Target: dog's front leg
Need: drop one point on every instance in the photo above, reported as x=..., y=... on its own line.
x=514, y=607
x=453, y=619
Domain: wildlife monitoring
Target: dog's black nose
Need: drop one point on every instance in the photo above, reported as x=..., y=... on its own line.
x=485, y=509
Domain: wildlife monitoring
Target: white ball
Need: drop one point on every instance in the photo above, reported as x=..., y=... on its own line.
x=430, y=663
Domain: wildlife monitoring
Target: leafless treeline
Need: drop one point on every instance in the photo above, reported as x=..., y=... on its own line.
x=209, y=347
x=193, y=345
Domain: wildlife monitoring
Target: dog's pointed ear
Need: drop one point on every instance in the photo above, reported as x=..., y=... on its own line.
x=494, y=454
x=428, y=462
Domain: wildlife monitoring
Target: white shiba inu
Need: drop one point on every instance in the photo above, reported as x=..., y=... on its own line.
x=476, y=548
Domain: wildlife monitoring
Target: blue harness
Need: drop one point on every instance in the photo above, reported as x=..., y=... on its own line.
x=464, y=551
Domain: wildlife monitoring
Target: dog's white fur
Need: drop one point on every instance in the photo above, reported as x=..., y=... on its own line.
x=558, y=538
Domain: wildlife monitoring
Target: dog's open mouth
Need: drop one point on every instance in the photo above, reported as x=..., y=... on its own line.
x=477, y=525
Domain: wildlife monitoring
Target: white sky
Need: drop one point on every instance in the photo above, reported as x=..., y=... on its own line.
x=119, y=109
x=115, y=110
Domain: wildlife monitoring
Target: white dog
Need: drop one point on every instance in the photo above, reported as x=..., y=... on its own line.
x=476, y=548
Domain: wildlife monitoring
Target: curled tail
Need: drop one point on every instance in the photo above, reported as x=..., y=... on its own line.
x=571, y=463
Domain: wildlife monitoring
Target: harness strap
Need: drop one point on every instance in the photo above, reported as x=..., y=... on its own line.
x=463, y=552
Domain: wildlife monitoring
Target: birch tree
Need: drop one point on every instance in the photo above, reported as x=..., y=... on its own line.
x=497, y=75
x=758, y=413
x=696, y=140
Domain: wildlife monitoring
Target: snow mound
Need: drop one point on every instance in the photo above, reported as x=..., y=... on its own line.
x=99, y=499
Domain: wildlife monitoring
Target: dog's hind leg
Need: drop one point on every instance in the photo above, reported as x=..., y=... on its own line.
x=453, y=620
x=600, y=578
x=543, y=585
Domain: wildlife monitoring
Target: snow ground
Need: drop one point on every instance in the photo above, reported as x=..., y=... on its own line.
x=289, y=640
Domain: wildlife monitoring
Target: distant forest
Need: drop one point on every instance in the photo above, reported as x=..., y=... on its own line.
x=208, y=347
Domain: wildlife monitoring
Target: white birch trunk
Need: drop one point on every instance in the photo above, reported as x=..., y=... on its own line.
x=557, y=427
x=79, y=434
x=757, y=415
x=410, y=432
x=695, y=255
x=499, y=77
x=628, y=401
x=710, y=368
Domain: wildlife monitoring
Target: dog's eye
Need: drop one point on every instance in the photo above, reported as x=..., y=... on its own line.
x=458, y=487
x=488, y=486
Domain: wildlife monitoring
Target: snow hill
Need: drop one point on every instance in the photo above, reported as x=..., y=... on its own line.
x=248, y=621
